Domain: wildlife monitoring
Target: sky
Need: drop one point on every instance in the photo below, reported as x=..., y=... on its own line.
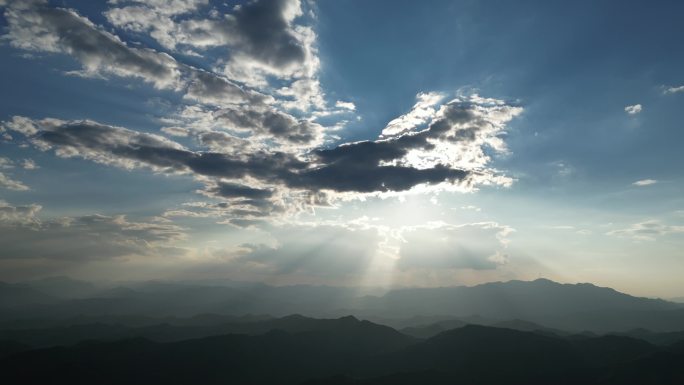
x=356, y=143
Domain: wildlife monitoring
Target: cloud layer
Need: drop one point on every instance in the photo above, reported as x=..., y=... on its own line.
x=248, y=127
x=82, y=238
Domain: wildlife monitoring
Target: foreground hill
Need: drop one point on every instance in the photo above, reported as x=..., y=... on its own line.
x=349, y=351
x=185, y=329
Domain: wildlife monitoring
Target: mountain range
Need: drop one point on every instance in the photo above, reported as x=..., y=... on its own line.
x=59, y=330
x=572, y=307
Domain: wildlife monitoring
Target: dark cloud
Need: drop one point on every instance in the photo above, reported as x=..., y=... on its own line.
x=347, y=168
x=261, y=30
x=256, y=182
x=222, y=142
x=36, y=26
x=270, y=122
x=232, y=190
x=112, y=145
x=209, y=88
x=343, y=177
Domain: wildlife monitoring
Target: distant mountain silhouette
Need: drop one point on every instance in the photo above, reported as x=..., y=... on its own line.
x=572, y=307
x=20, y=297
x=562, y=306
x=63, y=287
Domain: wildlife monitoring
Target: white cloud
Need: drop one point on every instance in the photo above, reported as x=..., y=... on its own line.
x=634, y=109
x=6, y=163
x=11, y=184
x=176, y=131
x=421, y=113
x=674, y=90
x=645, y=182
x=20, y=124
x=460, y=133
x=29, y=164
x=18, y=214
x=345, y=105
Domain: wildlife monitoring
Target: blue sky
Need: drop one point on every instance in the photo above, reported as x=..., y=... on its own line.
x=368, y=143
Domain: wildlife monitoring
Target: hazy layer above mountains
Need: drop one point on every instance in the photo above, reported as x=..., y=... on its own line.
x=573, y=307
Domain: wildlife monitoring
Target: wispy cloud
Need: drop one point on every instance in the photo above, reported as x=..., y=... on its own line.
x=647, y=230
x=673, y=90
x=11, y=184
x=79, y=238
x=645, y=182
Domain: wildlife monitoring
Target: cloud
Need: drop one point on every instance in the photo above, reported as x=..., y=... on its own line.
x=422, y=112
x=477, y=246
x=34, y=26
x=206, y=87
x=645, y=182
x=20, y=124
x=634, y=109
x=110, y=145
x=88, y=237
x=261, y=34
x=26, y=164
x=270, y=123
x=232, y=190
x=176, y=131
x=451, y=149
x=6, y=163
x=11, y=184
x=261, y=39
x=153, y=17
x=29, y=164
x=674, y=90
x=647, y=231
x=345, y=105
x=449, y=152
x=24, y=215
x=266, y=40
